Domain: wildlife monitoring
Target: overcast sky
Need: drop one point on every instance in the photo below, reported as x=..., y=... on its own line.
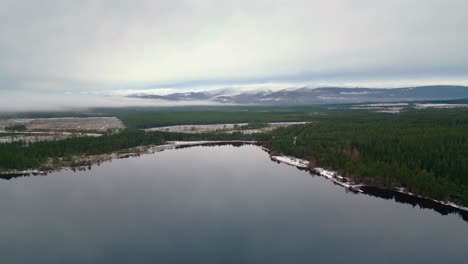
x=60, y=46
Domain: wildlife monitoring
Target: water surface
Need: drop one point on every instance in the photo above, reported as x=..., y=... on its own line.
x=219, y=204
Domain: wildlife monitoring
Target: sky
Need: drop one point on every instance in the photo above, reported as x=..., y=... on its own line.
x=52, y=51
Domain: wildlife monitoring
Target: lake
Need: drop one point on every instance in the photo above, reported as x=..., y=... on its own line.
x=218, y=204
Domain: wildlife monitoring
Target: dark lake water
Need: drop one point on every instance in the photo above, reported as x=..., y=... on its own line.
x=219, y=204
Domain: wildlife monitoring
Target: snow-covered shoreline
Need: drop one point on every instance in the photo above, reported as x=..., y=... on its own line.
x=451, y=204
x=300, y=163
x=344, y=182
x=330, y=175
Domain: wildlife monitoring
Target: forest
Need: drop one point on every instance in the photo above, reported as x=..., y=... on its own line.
x=15, y=128
x=21, y=156
x=425, y=151
x=157, y=117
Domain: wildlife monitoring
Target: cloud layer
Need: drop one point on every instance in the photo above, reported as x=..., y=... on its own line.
x=92, y=45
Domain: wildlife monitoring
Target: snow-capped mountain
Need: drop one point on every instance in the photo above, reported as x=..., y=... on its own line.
x=323, y=95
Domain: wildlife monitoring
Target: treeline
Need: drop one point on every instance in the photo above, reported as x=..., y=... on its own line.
x=20, y=156
x=148, y=117
x=425, y=151
x=18, y=127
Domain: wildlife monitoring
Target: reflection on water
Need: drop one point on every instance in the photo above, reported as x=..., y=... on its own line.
x=372, y=191
x=415, y=201
x=219, y=204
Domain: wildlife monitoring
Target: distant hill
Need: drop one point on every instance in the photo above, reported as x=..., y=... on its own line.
x=322, y=95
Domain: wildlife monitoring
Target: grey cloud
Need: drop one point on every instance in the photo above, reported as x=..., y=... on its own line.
x=74, y=45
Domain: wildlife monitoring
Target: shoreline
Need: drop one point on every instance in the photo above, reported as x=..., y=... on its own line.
x=87, y=161
x=84, y=162
x=355, y=187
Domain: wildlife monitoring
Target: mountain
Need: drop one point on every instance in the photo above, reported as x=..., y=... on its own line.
x=323, y=95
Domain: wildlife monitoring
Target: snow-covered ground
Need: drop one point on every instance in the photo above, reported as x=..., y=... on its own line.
x=300, y=163
x=326, y=173
x=67, y=123
x=226, y=128
x=395, y=108
x=31, y=137
x=331, y=175
x=383, y=105
x=424, y=106
x=197, y=128
x=380, y=109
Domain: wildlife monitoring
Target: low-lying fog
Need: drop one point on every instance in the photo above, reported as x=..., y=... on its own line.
x=18, y=102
